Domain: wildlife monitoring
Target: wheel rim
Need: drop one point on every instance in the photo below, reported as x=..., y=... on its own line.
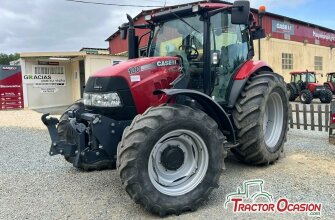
x=273, y=120
x=303, y=97
x=191, y=171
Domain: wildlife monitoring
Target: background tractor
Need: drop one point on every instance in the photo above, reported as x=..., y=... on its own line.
x=304, y=85
x=167, y=120
x=330, y=84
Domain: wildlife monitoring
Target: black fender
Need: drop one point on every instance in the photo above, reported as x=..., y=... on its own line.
x=210, y=107
x=290, y=85
x=238, y=86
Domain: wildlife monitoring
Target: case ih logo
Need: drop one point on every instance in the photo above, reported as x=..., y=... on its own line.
x=253, y=198
x=9, y=68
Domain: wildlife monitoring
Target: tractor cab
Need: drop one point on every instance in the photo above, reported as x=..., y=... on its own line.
x=226, y=46
x=331, y=77
x=330, y=84
x=304, y=80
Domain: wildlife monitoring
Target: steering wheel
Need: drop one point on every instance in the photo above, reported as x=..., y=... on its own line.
x=300, y=83
x=192, y=53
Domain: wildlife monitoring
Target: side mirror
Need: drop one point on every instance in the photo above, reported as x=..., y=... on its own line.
x=123, y=31
x=258, y=33
x=240, y=12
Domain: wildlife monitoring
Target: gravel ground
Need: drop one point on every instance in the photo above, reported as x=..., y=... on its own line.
x=34, y=185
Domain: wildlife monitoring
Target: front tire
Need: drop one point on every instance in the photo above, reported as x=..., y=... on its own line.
x=170, y=159
x=261, y=118
x=306, y=96
x=326, y=96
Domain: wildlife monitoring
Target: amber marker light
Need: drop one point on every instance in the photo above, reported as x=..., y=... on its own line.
x=262, y=9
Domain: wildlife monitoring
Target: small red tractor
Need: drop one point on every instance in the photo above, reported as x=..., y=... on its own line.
x=167, y=120
x=304, y=85
x=330, y=84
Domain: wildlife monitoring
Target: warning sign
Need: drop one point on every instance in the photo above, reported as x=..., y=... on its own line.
x=46, y=76
x=11, y=95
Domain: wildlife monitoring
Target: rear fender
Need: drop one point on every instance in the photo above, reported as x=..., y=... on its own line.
x=242, y=76
x=330, y=85
x=209, y=106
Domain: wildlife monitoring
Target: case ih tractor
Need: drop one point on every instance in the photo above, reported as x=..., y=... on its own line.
x=304, y=85
x=330, y=84
x=167, y=120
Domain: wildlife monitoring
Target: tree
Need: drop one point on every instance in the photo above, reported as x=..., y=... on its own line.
x=6, y=58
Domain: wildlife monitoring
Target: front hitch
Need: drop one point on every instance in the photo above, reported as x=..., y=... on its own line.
x=57, y=146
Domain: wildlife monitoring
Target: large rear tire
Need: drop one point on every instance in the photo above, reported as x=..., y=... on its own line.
x=66, y=133
x=291, y=94
x=261, y=118
x=170, y=159
x=326, y=96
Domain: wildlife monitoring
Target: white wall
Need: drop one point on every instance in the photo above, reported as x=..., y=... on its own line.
x=71, y=92
x=38, y=100
x=94, y=63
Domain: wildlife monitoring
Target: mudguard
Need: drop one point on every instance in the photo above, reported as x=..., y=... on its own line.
x=212, y=108
x=331, y=86
x=242, y=76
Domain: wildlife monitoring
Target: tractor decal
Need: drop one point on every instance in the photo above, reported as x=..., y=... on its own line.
x=245, y=201
x=245, y=192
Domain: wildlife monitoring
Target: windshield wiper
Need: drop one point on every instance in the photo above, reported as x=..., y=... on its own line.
x=184, y=21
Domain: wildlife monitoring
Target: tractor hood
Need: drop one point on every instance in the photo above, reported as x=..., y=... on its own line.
x=140, y=76
x=138, y=67
x=315, y=86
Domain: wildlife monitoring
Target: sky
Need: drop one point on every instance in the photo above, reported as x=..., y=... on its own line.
x=60, y=25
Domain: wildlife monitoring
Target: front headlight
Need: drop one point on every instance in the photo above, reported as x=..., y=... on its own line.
x=102, y=99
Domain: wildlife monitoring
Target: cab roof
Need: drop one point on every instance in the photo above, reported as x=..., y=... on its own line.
x=301, y=72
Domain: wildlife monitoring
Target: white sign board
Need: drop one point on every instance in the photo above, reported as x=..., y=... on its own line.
x=47, y=90
x=46, y=76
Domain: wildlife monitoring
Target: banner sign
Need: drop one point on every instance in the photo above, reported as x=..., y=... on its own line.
x=11, y=93
x=46, y=76
x=282, y=27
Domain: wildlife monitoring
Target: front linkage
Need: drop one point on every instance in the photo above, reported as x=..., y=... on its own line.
x=92, y=143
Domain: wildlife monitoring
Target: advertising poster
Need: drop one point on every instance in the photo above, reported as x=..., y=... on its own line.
x=11, y=93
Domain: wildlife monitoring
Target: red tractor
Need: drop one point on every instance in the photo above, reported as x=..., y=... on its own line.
x=304, y=85
x=167, y=120
x=330, y=84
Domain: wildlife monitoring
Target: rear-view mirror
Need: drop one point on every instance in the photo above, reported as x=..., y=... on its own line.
x=240, y=12
x=123, y=31
x=259, y=33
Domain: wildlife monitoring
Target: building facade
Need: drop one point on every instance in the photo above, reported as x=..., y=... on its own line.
x=290, y=44
x=55, y=79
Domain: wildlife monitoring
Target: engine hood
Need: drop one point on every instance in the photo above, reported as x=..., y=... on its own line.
x=142, y=76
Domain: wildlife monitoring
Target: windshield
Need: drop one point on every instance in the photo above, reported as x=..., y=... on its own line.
x=308, y=77
x=171, y=37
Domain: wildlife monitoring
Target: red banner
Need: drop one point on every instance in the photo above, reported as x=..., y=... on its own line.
x=11, y=93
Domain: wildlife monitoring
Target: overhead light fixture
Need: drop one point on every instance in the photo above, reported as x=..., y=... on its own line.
x=59, y=58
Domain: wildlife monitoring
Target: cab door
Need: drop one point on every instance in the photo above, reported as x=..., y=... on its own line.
x=229, y=50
